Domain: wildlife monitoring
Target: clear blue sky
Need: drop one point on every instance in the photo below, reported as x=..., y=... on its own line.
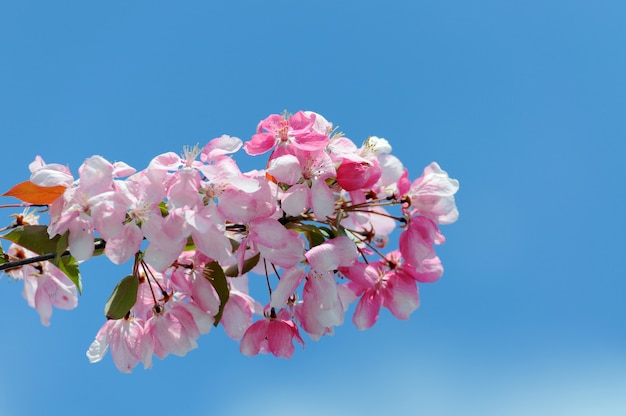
x=523, y=102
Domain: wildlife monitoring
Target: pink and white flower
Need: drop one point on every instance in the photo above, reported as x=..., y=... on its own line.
x=125, y=339
x=432, y=195
x=272, y=335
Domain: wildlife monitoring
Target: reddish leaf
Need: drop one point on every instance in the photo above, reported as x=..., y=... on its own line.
x=35, y=194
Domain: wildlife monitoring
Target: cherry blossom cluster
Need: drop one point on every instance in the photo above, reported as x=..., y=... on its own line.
x=313, y=225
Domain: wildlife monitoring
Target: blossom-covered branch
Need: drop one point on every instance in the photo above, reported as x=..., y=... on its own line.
x=314, y=224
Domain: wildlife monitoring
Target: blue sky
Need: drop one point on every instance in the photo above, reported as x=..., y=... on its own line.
x=523, y=102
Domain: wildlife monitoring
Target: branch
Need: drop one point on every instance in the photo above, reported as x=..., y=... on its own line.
x=99, y=245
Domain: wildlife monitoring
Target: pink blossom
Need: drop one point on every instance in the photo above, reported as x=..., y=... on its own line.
x=191, y=282
x=432, y=195
x=92, y=205
x=379, y=286
x=45, y=285
x=274, y=334
x=306, y=172
x=416, y=242
x=298, y=131
x=144, y=196
x=167, y=238
x=323, y=208
x=353, y=175
x=124, y=337
x=53, y=174
x=323, y=306
x=174, y=329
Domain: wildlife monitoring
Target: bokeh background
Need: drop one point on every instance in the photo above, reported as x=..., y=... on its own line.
x=523, y=101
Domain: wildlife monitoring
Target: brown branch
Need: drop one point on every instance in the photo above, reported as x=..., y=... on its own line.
x=99, y=245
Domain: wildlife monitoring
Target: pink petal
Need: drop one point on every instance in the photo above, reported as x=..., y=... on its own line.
x=392, y=169
x=160, y=258
x=100, y=344
x=108, y=211
x=401, y=296
x=430, y=271
x=311, y=141
x=295, y=200
x=96, y=175
x=321, y=125
x=288, y=256
x=237, y=316
x=286, y=169
x=301, y=121
x=241, y=207
x=259, y=144
x=328, y=256
x=323, y=200
x=268, y=232
x=81, y=237
x=121, y=169
x=61, y=290
x=168, y=335
x=43, y=305
x=368, y=309
x=183, y=189
x=280, y=339
x=204, y=294
x=202, y=320
x=364, y=275
x=404, y=183
x=416, y=242
x=124, y=246
x=126, y=344
x=324, y=296
x=52, y=175
x=287, y=285
x=220, y=146
x=166, y=161
x=254, y=337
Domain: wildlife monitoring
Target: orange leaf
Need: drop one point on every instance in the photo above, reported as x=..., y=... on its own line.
x=35, y=194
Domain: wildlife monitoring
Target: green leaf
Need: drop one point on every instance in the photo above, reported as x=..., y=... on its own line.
x=214, y=273
x=69, y=266
x=234, y=244
x=62, y=244
x=163, y=208
x=315, y=235
x=98, y=247
x=315, y=238
x=327, y=232
x=34, y=238
x=122, y=299
x=248, y=264
x=190, y=245
x=3, y=257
